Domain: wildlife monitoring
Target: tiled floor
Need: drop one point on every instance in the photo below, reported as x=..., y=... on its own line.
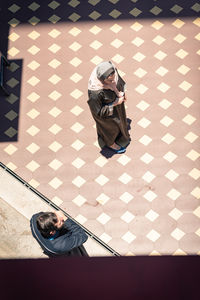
x=145, y=201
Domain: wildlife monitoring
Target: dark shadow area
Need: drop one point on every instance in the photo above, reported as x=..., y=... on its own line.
x=165, y=277
x=107, y=153
x=14, y=12
x=10, y=105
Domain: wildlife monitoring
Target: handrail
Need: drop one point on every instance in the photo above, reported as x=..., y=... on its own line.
x=50, y=203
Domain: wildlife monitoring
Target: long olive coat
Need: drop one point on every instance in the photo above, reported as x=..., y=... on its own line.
x=111, y=122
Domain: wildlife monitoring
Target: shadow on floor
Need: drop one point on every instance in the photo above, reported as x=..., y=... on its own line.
x=10, y=105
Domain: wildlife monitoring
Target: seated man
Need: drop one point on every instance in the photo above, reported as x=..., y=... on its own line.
x=58, y=235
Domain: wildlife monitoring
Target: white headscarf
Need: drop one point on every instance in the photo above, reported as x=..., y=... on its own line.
x=95, y=84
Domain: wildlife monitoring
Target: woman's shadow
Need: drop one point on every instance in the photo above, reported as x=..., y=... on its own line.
x=107, y=152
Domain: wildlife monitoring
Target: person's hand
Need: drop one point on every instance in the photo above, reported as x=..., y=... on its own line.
x=60, y=215
x=118, y=101
x=125, y=98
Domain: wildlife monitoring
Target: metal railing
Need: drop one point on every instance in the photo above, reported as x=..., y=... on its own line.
x=50, y=203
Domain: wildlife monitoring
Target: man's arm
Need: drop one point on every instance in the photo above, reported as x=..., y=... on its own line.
x=75, y=237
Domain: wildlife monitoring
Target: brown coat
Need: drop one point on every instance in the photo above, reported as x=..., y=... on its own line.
x=111, y=122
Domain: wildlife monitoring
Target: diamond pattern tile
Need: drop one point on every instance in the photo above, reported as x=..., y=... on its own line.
x=156, y=182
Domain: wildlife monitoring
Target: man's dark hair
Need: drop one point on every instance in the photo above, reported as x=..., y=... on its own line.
x=46, y=223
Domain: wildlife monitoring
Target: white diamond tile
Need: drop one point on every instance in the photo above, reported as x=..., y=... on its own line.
x=33, y=113
x=163, y=87
x=191, y=137
x=196, y=212
x=124, y=159
x=77, y=145
x=181, y=53
x=33, y=130
x=125, y=178
x=140, y=72
x=105, y=238
x=177, y=234
x=54, y=79
x=77, y=127
x=175, y=213
x=150, y=196
x=33, y=148
x=153, y=235
x=55, y=183
x=101, y=161
x=54, y=33
x=32, y=166
x=54, y=112
x=76, y=94
x=189, y=119
x=144, y=122
x=148, y=176
x=103, y=218
x=151, y=215
x=75, y=62
x=139, y=57
x=173, y=194
x=183, y=69
x=57, y=200
x=33, y=50
x=102, y=199
x=187, y=102
x=127, y=217
x=55, y=146
x=78, y=181
x=194, y=173
x=11, y=166
x=171, y=175
x=126, y=197
x=54, y=48
x=75, y=46
x=55, y=164
x=79, y=200
x=129, y=237
x=34, y=183
x=170, y=156
x=117, y=43
x=55, y=129
x=165, y=104
x=10, y=149
x=193, y=155
x=142, y=105
x=161, y=71
x=160, y=55
x=168, y=138
x=136, y=26
x=118, y=58
x=166, y=121
x=80, y=219
x=76, y=110
x=55, y=95
x=196, y=192
x=102, y=179
x=95, y=29
x=147, y=158
x=137, y=41
x=116, y=28
x=145, y=140
x=78, y=163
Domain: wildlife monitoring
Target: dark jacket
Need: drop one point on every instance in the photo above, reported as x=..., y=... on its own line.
x=68, y=243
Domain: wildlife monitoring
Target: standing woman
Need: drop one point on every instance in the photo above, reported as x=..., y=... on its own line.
x=106, y=102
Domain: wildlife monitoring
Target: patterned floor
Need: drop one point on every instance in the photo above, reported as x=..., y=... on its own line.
x=145, y=201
